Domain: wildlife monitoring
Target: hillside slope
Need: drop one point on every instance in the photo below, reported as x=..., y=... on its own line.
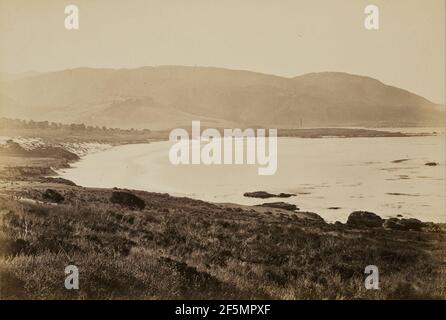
x=171, y=96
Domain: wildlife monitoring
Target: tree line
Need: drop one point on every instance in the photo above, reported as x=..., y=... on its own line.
x=7, y=123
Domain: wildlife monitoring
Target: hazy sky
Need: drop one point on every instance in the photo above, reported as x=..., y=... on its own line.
x=282, y=37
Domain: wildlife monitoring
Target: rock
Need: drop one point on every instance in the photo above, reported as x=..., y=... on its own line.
x=53, y=195
x=400, y=160
x=127, y=199
x=280, y=205
x=258, y=194
x=285, y=195
x=313, y=216
x=265, y=195
x=334, y=208
x=412, y=224
x=364, y=219
x=392, y=223
x=338, y=224
x=403, y=224
x=431, y=164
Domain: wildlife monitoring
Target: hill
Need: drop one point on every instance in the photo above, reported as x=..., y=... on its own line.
x=172, y=96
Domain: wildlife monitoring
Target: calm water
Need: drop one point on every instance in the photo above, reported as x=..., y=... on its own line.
x=352, y=174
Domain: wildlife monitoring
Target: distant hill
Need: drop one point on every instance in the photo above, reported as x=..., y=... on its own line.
x=172, y=96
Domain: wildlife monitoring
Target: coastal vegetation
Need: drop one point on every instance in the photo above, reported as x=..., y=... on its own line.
x=183, y=248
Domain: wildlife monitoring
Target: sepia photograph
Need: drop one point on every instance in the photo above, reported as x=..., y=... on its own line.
x=222, y=150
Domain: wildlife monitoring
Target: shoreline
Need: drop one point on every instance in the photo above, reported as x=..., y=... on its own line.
x=127, y=242
x=181, y=240
x=90, y=146
x=335, y=207
x=52, y=175
x=136, y=240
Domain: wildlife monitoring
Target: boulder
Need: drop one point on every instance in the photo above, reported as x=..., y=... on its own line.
x=412, y=224
x=127, y=199
x=403, y=224
x=364, y=219
x=281, y=205
x=265, y=195
x=259, y=194
x=53, y=196
x=338, y=224
x=392, y=223
x=285, y=195
x=313, y=216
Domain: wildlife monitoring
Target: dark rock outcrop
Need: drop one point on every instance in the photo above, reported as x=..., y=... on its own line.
x=313, y=216
x=53, y=196
x=259, y=194
x=403, y=224
x=265, y=195
x=285, y=195
x=364, y=219
x=127, y=199
x=280, y=205
x=431, y=164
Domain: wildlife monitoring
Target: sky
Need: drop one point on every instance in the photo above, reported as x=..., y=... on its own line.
x=285, y=38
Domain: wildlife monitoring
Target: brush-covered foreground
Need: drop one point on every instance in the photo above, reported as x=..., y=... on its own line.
x=182, y=248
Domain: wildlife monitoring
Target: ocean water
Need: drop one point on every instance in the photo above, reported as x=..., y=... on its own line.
x=387, y=176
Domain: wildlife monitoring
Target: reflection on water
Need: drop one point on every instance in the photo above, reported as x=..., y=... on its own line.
x=331, y=176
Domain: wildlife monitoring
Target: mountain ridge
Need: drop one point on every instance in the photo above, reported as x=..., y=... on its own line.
x=164, y=97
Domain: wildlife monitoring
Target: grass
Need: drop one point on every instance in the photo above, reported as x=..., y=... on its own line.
x=183, y=248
